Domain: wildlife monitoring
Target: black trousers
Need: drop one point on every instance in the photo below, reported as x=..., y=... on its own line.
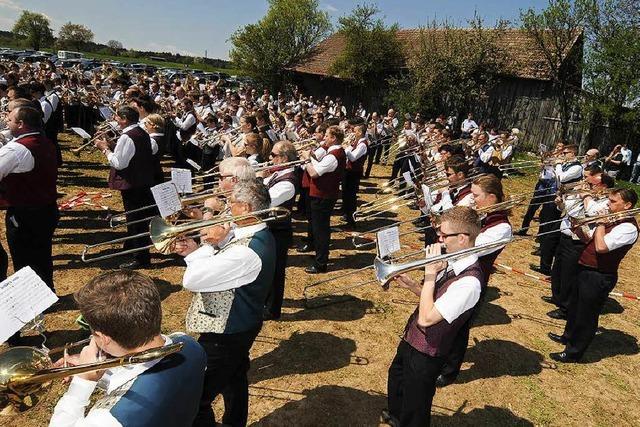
x=226, y=374
x=135, y=198
x=319, y=228
x=548, y=242
x=303, y=203
x=375, y=152
x=29, y=235
x=283, y=240
x=411, y=386
x=542, y=186
x=587, y=299
x=397, y=167
x=209, y=157
x=565, y=270
x=453, y=363
x=350, y=186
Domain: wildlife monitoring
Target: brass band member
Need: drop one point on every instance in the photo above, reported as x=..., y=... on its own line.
x=356, y=156
x=606, y=246
x=124, y=313
x=187, y=126
x=154, y=125
x=448, y=295
x=132, y=173
x=283, y=185
x=229, y=290
x=324, y=190
x=28, y=173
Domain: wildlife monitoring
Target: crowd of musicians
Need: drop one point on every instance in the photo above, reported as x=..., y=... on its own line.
x=257, y=152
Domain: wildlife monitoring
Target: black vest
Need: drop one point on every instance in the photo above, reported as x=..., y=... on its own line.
x=139, y=172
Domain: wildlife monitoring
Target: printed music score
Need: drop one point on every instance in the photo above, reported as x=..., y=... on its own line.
x=426, y=192
x=182, y=180
x=388, y=241
x=407, y=178
x=23, y=296
x=167, y=198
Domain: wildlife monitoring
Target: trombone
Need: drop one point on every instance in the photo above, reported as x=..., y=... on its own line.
x=26, y=372
x=163, y=234
x=102, y=131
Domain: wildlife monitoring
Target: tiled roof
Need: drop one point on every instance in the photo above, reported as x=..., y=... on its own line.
x=528, y=60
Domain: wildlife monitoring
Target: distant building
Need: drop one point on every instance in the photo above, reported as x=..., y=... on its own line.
x=523, y=98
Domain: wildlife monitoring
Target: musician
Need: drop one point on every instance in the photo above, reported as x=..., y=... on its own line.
x=124, y=313
x=154, y=125
x=457, y=170
x=356, y=156
x=51, y=115
x=448, y=295
x=282, y=184
x=468, y=126
x=256, y=148
x=495, y=226
x=28, y=173
x=229, y=288
x=606, y=246
x=592, y=157
x=132, y=173
x=376, y=134
x=324, y=188
x=187, y=126
x=565, y=261
x=567, y=171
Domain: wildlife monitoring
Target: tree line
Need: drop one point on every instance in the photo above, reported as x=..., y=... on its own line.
x=450, y=70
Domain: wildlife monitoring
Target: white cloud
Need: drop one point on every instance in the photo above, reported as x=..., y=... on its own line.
x=10, y=4
x=331, y=8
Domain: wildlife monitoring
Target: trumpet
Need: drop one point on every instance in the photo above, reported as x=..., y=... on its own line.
x=26, y=373
x=163, y=234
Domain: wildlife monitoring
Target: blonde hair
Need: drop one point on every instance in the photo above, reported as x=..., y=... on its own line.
x=155, y=120
x=464, y=219
x=490, y=184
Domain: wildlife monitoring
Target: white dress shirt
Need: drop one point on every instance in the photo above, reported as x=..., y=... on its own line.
x=354, y=154
x=53, y=98
x=15, y=157
x=70, y=409
x=46, y=109
x=209, y=270
x=469, y=125
x=124, y=150
x=154, y=142
x=621, y=235
x=328, y=163
x=462, y=295
x=493, y=234
x=281, y=191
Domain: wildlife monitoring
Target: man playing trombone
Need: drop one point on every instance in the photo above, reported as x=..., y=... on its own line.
x=448, y=295
x=132, y=173
x=229, y=288
x=124, y=313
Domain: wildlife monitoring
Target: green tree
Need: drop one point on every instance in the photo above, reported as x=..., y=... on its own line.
x=450, y=69
x=554, y=31
x=115, y=46
x=612, y=75
x=74, y=35
x=35, y=28
x=372, y=50
x=285, y=36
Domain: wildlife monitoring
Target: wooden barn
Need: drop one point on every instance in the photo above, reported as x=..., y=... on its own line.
x=524, y=98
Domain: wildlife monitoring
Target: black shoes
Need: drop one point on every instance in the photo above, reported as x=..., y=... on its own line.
x=564, y=357
x=443, y=381
x=314, y=269
x=522, y=232
x=557, y=338
x=389, y=419
x=557, y=314
x=304, y=249
x=548, y=299
x=537, y=269
x=134, y=264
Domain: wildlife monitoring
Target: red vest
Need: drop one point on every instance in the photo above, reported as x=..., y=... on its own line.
x=358, y=165
x=140, y=171
x=436, y=340
x=460, y=194
x=607, y=262
x=37, y=187
x=486, y=261
x=327, y=186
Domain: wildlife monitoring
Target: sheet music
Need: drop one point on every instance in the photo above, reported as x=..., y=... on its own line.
x=23, y=296
x=428, y=203
x=167, y=198
x=388, y=241
x=182, y=180
x=83, y=133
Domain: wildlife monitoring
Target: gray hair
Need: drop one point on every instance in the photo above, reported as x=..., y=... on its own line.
x=287, y=149
x=238, y=167
x=254, y=193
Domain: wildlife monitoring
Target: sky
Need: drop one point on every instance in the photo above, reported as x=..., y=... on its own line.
x=192, y=27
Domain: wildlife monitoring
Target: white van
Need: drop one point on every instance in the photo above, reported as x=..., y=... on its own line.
x=67, y=54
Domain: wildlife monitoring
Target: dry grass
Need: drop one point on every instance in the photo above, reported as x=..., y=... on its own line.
x=328, y=365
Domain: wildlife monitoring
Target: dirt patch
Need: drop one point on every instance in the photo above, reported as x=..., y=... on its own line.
x=328, y=365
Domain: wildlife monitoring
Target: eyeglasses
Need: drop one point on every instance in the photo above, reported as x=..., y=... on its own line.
x=445, y=235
